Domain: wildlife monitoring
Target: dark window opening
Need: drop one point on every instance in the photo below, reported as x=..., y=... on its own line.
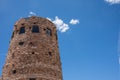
x=14, y=71
x=31, y=44
x=34, y=23
x=48, y=32
x=50, y=53
x=32, y=79
x=33, y=52
x=22, y=30
x=35, y=29
x=21, y=43
x=22, y=24
x=30, y=28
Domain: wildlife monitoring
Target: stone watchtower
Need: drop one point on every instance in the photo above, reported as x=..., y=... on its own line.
x=33, y=53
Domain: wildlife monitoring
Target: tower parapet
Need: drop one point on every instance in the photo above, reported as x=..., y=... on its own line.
x=33, y=53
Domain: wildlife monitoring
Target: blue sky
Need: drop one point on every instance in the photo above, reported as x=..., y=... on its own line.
x=89, y=50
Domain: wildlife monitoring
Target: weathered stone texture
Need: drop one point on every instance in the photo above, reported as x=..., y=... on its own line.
x=33, y=55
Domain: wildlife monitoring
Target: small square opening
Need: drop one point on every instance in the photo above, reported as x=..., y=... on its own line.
x=50, y=53
x=14, y=71
x=21, y=43
x=32, y=78
x=33, y=52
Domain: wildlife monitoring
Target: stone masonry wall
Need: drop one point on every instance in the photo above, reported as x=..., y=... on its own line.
x=33, y=55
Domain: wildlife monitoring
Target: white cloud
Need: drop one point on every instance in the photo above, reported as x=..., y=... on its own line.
x=113, y=1
x=61, y=25
x=74, y=21
x=31, y=14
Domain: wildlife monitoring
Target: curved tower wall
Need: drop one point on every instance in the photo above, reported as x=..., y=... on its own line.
x=33, y=53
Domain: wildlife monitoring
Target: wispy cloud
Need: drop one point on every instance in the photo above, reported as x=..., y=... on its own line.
x=61, y=25
x=113, y=1
x=74, y=21
x=31, y=14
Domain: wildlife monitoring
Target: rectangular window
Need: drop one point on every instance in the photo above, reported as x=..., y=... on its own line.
x=35, y=29
x=22, y=30
x=48, y=32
